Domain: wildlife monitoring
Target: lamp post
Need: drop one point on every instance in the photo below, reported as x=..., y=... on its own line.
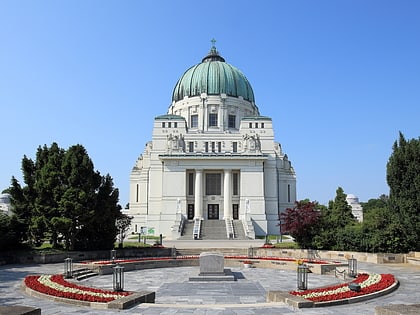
x=113, y=255
x=352, y=267
x=302, y=277
x=118, y=278
x=68, y=268
x=281, y=236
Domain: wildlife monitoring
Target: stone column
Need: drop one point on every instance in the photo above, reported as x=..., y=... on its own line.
x=227, y=194
x=198, y=197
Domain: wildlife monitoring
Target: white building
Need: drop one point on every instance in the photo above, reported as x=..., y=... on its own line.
x=5, y=204
x=212, y=157
x=356, y=207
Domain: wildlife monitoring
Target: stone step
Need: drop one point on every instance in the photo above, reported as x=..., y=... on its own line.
x=83, y=273
x=413, y=261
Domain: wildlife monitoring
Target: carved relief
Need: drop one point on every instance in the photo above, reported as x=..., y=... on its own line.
x=175, y=143
x=251, y=144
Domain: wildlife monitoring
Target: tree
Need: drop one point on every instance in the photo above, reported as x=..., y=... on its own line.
x=403, y=177
x=301, y=221
x=333, y=221
x=123, y=224
x=380, y=202
x=66, y=198
x=8, y=236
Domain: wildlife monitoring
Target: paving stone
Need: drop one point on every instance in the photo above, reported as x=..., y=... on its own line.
x=175, y=295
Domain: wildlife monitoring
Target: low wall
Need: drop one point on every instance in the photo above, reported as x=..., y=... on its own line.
x=379, y=258
x=187, y=262
x=48, y=258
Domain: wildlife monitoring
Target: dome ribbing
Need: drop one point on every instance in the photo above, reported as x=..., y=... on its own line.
x=213, y=76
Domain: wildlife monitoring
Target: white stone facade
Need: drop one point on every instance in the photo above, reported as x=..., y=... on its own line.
x=5, y=204
x=211, y=157
x=356, y=207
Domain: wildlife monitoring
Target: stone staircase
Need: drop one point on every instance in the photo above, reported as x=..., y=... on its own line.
x=213, y=230
x=83, y=273
x=187, y=234
x=239, y=230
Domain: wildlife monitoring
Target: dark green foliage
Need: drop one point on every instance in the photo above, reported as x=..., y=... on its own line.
x=403, y=177
x=66, y=200
x=333, y=223
x=8, y=238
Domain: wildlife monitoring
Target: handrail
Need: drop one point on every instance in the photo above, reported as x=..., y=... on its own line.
x=248, y=227
x=182, y=224
x=196, y=229
x=230, y=231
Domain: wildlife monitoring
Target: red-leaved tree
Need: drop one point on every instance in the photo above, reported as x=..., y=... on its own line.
x=301, y=221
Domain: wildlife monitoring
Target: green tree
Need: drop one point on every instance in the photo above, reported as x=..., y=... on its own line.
x=8, y=237
x=333, y=221
x=123, y=224
x=65, y=197
x=403, y=177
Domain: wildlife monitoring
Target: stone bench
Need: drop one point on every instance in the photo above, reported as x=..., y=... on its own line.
x=19, y=310
x=398, y=309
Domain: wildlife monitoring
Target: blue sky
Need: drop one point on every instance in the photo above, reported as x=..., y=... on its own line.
x=340, y=79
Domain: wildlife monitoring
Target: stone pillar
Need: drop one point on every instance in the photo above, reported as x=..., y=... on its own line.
x=227, y=194
x=198, y=198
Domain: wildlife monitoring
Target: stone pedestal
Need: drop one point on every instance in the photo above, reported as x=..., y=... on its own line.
x=212, y=268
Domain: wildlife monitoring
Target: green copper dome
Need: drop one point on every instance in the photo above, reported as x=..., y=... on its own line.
x=213, y=76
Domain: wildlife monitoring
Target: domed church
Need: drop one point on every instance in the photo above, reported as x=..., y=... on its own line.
x=212, y=169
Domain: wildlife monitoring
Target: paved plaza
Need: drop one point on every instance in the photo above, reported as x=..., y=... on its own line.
x=176, y=295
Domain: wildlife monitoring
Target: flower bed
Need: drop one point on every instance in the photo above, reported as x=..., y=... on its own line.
x=55, y=285
x=369, y=283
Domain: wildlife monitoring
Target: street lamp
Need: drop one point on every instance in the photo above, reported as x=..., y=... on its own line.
x=302, y=277
x=68, y=268
x=118, y=278
x=352, y=267
x=113, y=255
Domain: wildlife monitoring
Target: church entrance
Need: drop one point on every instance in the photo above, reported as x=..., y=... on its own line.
x=213, y=211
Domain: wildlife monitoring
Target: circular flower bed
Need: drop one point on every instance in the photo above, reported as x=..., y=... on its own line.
x=55, y=285
x=369, y=283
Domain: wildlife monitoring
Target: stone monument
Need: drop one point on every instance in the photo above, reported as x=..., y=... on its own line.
x=212, y=268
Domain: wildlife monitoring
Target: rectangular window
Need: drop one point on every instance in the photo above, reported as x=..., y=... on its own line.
x=169, y=124
x=256, y=125
x=206, y=146
x=235, y=147
x=137, y=193
x=190, y=184
x=288, y=193
x=213, y=149
x=163, y=124
x=194, y=121
x=262, y=125
x=235, y=208
x=250, y=125
x=190, y=214
x=212, y=120
x=235, y=182
x=219, y=146
x=175, y=125
x=190, y=146
x=213, y=184
x=231, y=121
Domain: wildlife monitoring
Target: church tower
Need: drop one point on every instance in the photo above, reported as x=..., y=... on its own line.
x=212, y=157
